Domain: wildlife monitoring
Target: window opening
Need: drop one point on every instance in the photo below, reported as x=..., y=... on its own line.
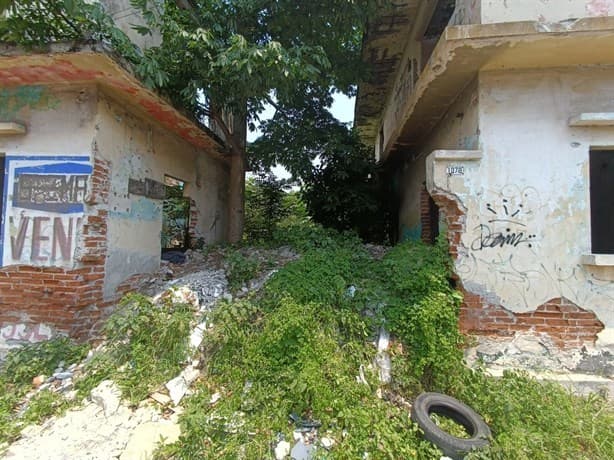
x=176, y=216
x=602, y=201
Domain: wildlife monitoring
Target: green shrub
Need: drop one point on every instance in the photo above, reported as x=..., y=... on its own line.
x=28, y=361
x=147, y=345
x=422, y=310
x=240, y=268
x=19, y=368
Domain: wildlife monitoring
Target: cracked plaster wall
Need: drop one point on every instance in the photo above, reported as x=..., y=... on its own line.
x=457, y=130
x=33, y=232
x=493, y=11
x=527, y=200
x=140, y=150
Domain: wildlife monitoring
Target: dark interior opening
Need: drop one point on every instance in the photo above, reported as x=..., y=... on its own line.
x=176, y=216
x=602, y=201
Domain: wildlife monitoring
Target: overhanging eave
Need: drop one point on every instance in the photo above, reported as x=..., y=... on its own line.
x=464, y=51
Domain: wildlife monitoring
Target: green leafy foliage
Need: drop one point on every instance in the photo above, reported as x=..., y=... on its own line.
x=269, y=204
x=342, y=184
x=30, y=360
x=240, y=268
x=147, y=345
x=423, y=309
x=36, y=23
x=176, y=215
x=537, y=420
x=16, y=373
x=298, y=348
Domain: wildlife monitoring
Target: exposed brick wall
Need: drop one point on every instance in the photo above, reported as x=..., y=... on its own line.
x=192, y=233
x=68, y=300
x=565, y=322
x=429, y=217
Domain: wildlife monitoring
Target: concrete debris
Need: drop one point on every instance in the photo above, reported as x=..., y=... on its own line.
x=327, y=443
x=360, y=378
x=160, y=398
x=382, y=361
x=180, y=294
x=302, y=451
x=196, y=337
x=84, y=433
x=38, y=381
x=63, y=375
x=282, y=450
x=585, y=370
x=107, y=396
x=384, y=339
x=237, y=420
x=103, y=428
x=215, y=397
x=147, y=436
x=177, y=388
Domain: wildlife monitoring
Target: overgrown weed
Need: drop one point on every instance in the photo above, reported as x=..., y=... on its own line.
x=16, y=374
x=298, y=348
x=147, y=344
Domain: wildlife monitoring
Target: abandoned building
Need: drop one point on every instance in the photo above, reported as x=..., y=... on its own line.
x=86, y=156
x=497, y=120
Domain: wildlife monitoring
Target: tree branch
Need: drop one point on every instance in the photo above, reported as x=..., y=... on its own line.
x=277, y=107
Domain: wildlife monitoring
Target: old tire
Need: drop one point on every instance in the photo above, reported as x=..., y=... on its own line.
x=452, y=446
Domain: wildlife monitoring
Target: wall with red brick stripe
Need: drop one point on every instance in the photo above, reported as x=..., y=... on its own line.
x=568, y=324
x=68, y=300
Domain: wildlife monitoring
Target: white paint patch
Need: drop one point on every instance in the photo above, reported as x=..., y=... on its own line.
x=25, y=333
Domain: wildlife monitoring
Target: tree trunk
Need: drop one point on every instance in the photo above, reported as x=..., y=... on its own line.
x=236, y=198
x=236, y=189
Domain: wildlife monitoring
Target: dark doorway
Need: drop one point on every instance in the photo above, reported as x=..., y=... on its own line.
x=176, y=216
x=602, y=201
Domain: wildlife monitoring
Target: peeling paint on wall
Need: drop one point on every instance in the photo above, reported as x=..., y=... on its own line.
x=42, y=209
x=13, y=100
x=19, y=332
x=411, y=234
x=140, y=209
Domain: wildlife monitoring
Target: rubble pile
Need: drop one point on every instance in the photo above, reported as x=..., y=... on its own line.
x=103, y=427
x=584, y=371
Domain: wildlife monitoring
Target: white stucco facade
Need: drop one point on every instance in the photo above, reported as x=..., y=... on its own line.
x=499, y=123
x=527, y=199
x=139, y=150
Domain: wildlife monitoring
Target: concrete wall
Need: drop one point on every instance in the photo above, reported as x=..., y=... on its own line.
x=137, y=149
x=53, y=232
x=493, y=11
x=527, y=203
x=467, y=12
x=458, y=130
x=72, y=234
x=125, y=16
x=46, y=174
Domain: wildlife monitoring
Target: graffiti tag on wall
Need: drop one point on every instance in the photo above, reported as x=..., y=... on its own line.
x=505, y=219
x=24, y=332
x=42, y=209
x=506, y=258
